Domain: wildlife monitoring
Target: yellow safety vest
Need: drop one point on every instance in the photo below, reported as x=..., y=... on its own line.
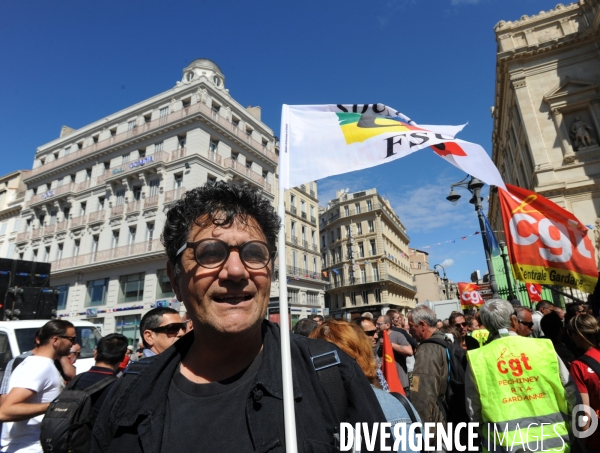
x=481, y=335
x=519, y=387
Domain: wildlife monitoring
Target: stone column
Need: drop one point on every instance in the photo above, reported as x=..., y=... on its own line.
x=563, y=135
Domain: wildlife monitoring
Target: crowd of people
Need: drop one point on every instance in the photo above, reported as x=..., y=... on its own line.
x=220, y=366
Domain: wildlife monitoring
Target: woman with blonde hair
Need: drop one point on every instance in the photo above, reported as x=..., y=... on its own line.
x=351, y=339
x=585, y=332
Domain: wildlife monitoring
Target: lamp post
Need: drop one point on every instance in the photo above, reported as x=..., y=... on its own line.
x=445, y=279
x=474, y=186
x=504, y=256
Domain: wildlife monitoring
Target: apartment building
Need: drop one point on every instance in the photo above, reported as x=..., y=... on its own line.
x=96, y=197
x=547, y=109
x=305, y=283
x=429, y=283
x=365, y=255
x=12, y=197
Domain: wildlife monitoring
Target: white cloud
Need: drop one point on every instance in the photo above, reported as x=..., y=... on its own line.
x=448, y=262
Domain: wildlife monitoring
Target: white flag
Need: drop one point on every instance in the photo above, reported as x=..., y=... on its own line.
x=318, y=141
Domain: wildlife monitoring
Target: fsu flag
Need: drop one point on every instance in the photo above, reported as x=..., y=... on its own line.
x=388, y=366
x=546, y=243
x=535, y=291
x=318, y=141
x=469, y=295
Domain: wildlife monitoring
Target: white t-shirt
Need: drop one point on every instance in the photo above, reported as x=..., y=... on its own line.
x=40, y=375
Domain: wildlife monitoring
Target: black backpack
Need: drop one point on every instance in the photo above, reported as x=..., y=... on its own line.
x=454, y=407
x=69, y=420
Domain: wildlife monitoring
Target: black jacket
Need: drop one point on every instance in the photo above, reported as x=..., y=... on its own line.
x=132, y=418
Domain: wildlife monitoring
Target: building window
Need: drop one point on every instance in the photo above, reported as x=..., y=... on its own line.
x=120, y=197
x=373, y=247
x=76, y=244
x=312, y=298
x=369, y=205
x=163, y=112
x=2, y=228
x=235, y=121
x=178, y=181
x=149, y=231
x=365, y=297
x=96, y=292
x=346, y=211
x=357, y=207
x=11, y=250
x=158, y=147
x=132, y=232
x=353, y=298
x=130, y=327
x=371, y=226
x=164, y=290
x=359, y=228
x=363, y=275
x=131, y=287
x=131, y=125
x=248, y=132
x=126, y=157
x=59, y=251
x=46, y=254
x=214, y=145
x=95, y=239
x=115, y=239
x=377, y=294
x=361, y=250
x=248, y=163
x=154, y=185
x=294, y=296
x=292, y=200
x=63, y=294
x=375, y=273
x=315, y=268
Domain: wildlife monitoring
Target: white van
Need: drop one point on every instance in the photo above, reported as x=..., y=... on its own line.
x=17, y=337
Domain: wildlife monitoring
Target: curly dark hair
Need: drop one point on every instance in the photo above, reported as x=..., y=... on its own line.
x=231, y=202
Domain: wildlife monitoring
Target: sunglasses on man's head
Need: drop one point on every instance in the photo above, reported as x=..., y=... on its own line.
x=460, y=324
x=528, y=324
x=170, y=329
x=370, y=333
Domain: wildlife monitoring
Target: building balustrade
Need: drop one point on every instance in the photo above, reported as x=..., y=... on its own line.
x=174, y=194
x=133, y=206
x=108, y=255
x=313, y=219
x=117, y=211
x=151, y=202
x=24, y=236
x=78, y=221
x=36, y=233
x=293, y=209
x=128, y=167
x=96, y=216
x=244, y=171
x=149, y=126
x=293, y=271
x=49, y=229
x=178, y=153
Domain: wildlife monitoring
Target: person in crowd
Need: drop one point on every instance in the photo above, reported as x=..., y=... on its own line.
x=33, y=385
x=542, y=308
x=351, y=339
x=481, y=334
x=109, y=354
x=587, y=308
x=572, y=310
x=472, y=324
x=522, y=322
x=74, y=353
x=220, y=241
x=446, y=322
x=160, y=328
x=131, y=354
x=367, y=314
x=509, y=356
x=586, y=334
x=553, y=329
x=560, y=312
x=452, y=335
x=439, y=324
x=459, y=322
x=188, y=322
x=398, y=323
x=402, y=348
x=305, y=326
x=430, y=375
x=318, y=319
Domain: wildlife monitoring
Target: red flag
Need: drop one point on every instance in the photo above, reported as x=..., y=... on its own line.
x=388, y=366
x=535, y=291
x=469, y=295
x=547, y=244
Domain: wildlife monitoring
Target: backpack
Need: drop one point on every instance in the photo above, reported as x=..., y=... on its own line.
x=592, y=363
x=68, y=422
x=454, y=407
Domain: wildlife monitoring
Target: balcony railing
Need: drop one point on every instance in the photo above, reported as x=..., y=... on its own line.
x=51, y=193
x=174, y=194
x=77, y=221
x=303, y=215
x=36, y=233
x=134, y=206
x=214, y=157
x=96, y=216
x=294, y=240
x=49, y=229
x=24, y=236
x=313, y=219
x=151, y=202
x=108, y=255
x=151, y=125
x=293, y=209
x=294, y=271
x=129, y=167
x=178, y=153
x=244, y=171
x=117, y=211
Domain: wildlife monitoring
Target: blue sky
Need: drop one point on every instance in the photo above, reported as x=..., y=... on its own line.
x=71, y=63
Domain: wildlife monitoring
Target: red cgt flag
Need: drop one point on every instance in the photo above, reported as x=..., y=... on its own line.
x=535, y=291
x=469, y=295
x=546, y=243
x=388, y=366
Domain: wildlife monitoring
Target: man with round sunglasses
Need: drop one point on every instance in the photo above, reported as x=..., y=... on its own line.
x=160, y=328
x=225, y=374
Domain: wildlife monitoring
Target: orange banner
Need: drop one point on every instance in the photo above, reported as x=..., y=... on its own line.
x=469, y=295
x=546, y=243
x=388, y=366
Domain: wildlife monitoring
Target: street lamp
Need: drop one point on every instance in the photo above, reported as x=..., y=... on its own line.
x=445, y=279
x=474, y=186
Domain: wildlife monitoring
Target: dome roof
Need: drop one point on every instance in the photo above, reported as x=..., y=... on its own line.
x=205, y=63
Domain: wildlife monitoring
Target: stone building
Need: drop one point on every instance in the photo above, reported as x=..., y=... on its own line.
x=429, y=283
x=12, y=196
x=97, y=196
x=365, y=255
x=547, y=107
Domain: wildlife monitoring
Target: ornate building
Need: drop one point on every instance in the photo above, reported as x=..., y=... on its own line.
x=97, y=196
x=12, y=196
x=430, y=284
x=547, y=107
x=365, y=255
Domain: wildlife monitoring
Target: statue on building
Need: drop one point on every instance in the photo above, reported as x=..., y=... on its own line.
x=581, y=134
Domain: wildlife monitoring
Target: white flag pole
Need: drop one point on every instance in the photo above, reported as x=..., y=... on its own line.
x=291, y=445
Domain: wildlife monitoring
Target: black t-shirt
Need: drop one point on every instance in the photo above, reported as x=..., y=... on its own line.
x=209, y=417
x=96, y=374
